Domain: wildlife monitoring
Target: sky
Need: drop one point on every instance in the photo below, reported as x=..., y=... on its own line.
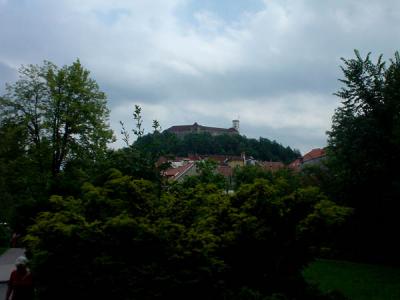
x=274, y=64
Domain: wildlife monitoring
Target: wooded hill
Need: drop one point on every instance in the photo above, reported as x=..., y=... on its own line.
x=167, y=143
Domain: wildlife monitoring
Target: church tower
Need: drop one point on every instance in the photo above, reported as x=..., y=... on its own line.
x=235, y=124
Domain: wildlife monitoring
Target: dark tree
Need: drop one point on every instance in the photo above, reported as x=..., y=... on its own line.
x=364, y=150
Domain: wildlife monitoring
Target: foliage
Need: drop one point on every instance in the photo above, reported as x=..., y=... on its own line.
x=137, y=116
x=63, y=111
x=124, y=240
x=168, y=143
x=20, y=180
x=206, y=174
x=248, y=174
x=364, y=151
x=50, y=119
x=156, y=126
x=125, y=134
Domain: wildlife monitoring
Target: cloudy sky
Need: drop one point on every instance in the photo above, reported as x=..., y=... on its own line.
x=272, y=63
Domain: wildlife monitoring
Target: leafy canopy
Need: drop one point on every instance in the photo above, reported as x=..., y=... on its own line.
x=63, y=111
x=123, y=240
x=364, y=151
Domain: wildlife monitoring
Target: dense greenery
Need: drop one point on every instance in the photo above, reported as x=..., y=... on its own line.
x=364, y=151
x=49, y=119
x=167, y=143
x=124, y=240
x=63, y=111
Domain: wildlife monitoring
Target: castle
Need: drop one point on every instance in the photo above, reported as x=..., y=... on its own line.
x=182, y=130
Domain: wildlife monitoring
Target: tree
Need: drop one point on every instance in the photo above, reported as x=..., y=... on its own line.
x=137, y=116
x=13, y=167
x=248, y=174
x=364, y=151
x=156, y=126
x=63, y=111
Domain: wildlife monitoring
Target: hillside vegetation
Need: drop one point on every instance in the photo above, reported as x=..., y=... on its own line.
x=204, y=143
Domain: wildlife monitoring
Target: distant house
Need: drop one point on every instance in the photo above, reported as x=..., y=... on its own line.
x=314, y=157
x=178, y=173
x=182, y=130
x=228, y=160
x=237, y=161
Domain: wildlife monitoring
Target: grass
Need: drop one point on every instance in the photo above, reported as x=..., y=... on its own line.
x=355, y=281
x=2, y=250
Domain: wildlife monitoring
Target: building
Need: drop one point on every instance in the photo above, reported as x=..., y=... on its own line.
x=182, y=130
x=227, y=160
x=314, y=157
x=178, y=173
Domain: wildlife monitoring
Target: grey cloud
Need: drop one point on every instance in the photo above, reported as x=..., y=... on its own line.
x=271, y=57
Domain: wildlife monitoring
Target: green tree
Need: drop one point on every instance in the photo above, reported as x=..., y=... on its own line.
x=64, y=113
x=50, y=119
x=248, y=174
x=13, y=166
x=364, y=151
x=137, y=116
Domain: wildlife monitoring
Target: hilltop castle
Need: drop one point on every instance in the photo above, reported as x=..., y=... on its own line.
x=182, y=130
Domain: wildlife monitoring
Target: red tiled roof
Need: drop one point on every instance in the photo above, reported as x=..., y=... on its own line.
x=171, y=172
x=174, y=172
x=314, y=154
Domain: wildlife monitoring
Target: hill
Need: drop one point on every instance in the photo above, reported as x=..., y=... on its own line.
x=167, y=143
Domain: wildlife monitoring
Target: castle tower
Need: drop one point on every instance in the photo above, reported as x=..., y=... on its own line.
x=235, y=124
